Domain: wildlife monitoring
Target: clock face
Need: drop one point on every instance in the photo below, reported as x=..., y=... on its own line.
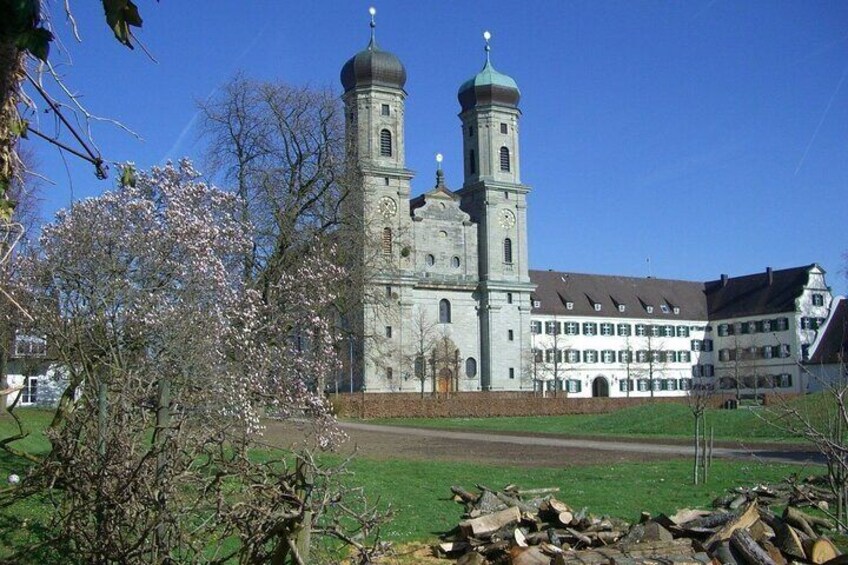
x=387, y=207
x=507, y=219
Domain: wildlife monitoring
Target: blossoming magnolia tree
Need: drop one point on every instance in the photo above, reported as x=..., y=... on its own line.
x=171, y=360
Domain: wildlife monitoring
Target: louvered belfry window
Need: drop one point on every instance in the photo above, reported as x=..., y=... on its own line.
x=385, y=143
x=505, y=159
x=387, y=241
x=507, y=250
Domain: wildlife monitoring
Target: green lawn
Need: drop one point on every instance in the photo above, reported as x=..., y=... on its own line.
x=651, y=420
x=419, y=492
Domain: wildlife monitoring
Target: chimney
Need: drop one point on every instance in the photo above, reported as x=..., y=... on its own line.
x=769, y=276
x=723, y=280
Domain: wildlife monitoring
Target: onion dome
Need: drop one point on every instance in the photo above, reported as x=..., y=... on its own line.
x=488, y=87
x=373, y=66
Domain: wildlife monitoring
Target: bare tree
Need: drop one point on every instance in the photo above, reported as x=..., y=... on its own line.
x=651, y=357
x=281, y=149
x=424, y=335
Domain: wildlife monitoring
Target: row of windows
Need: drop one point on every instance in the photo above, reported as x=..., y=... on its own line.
x=811, y=323
x=754, y=326
x=420, y=365
x=504, y=129
x=610, y=356
x=608, y=329
x=30, y=346
x=783, y=380
x=644, y=385
x=430, y=260
x=665, y=308
x=748, y=353
x=705, y=370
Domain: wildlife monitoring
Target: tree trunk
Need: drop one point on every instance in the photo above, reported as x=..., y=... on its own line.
x=160, y=437
x=11, y=76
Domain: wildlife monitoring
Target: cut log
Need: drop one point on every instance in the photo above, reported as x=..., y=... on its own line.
x=744, y=520
x=463, y=494
x=472, y=558
x=580, y=537
x=537, y=491
x=519, y=537
x=489, y=523
x=798, y=519
x=452, y=547
x=555, y=506
x=820, y=550
x=565, y=518
x=760, y=531
x=685, y=515
x=774, y=553
x=529, y=556
x=724, y=554
x=742, y=542
x=789, y=542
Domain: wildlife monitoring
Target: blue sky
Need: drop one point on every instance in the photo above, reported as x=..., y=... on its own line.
x=709, y=136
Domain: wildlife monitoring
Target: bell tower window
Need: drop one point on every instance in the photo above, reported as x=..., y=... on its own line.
x=472, y=162
x=386, y=143
x=507, y=250
x=504, y=155
x=387, y=241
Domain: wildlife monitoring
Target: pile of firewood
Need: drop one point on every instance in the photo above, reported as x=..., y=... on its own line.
x=533, y=527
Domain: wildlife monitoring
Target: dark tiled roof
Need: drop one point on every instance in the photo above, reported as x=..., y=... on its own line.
x=833, y=346
x=554, y=290
x=768, y=292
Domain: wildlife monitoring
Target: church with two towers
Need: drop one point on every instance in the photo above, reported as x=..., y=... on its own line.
x=446, y=271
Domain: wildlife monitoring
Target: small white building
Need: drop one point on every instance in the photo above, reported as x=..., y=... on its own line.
x=30, y=368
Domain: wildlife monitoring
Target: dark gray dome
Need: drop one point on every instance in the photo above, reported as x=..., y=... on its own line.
x=373, y=66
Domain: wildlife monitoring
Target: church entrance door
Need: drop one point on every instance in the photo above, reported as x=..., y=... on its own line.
x=600, y=387
x=443, y=383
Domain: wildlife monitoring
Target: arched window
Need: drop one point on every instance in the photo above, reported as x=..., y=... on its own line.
x=430, y=260
x=455, y=262
x=472, y=162
x=386, y=144
x=444, y=311
x=505, y=159
x=387, y=241
x=471, y=367
x=507, y=250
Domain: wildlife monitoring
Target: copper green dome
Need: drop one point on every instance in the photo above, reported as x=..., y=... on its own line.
x=488, y=87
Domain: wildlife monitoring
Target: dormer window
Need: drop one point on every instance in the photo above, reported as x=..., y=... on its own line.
x=649, y=309
x=537, y=304
x=597, y=306
x=664, y=308
x=622, y=308
x=676, y=310
x=569, y=305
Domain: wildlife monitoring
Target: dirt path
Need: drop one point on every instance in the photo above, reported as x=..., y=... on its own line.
x=386, y=442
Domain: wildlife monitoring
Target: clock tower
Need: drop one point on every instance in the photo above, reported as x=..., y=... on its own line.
x=496, y=200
